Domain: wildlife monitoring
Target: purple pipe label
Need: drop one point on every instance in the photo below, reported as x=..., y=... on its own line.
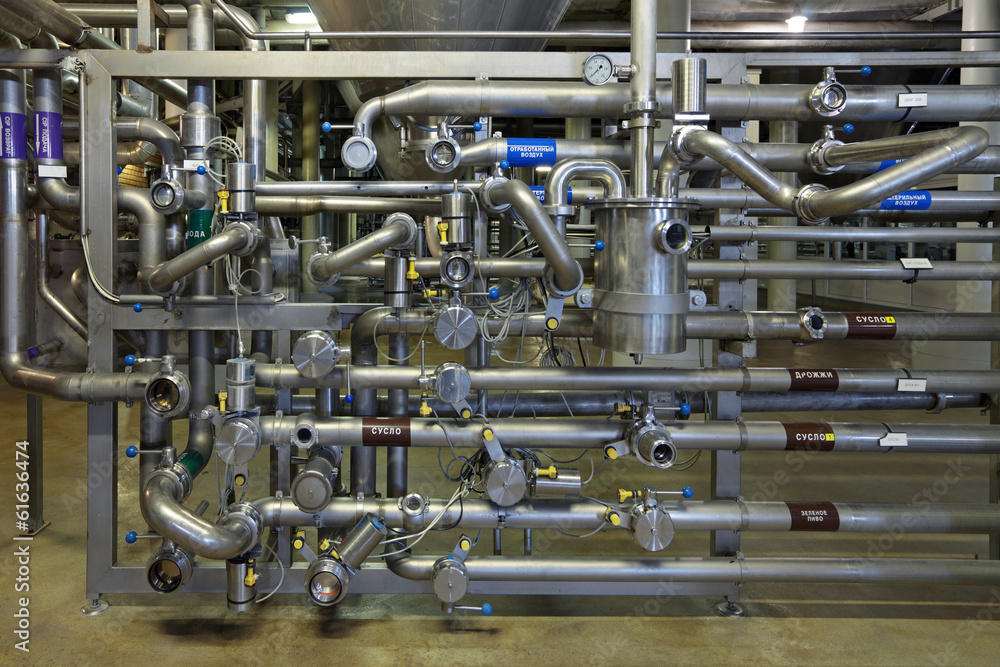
x=14, y=142
x=911, y=200
x=539, y=192
x=48, y=135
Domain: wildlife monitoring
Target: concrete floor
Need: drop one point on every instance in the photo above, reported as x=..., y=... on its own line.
x=786, y=624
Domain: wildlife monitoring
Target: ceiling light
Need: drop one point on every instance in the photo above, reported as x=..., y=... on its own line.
x=300, y=17
x=797, y=21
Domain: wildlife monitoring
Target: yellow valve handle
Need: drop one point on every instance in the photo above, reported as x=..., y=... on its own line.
x=551, y=472
x=443, y=229
x=222, y=400
x=425, y=410
x=412, y=273
x=625, y=494
x=224, y=200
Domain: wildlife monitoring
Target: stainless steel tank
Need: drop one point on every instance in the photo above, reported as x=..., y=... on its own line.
x=640, y=278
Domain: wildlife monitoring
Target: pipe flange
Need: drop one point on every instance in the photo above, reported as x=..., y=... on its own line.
x=178, y=477
x=803, y=200
x=548, y=278
x=674, y=236
x=484, y=194
x=252, y=238
x=564, y=211
x=817, y=157
x=828, y=98
x=411, y=227
x=641, y=107
x=168, y=393
x=305, y=434
x=678, y=142
x=359, y=154
x=443, y=155
x=309, y=271
x=247, y=515
x=198, y=129
x=813, y=322
x=166, y=195
x=174, y=289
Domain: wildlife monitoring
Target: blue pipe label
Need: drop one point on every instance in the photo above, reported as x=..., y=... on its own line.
x=890, y=163
x=14, y=145
x=531, y=152
x=911, y=200
x=48, y=135
x=539, y=192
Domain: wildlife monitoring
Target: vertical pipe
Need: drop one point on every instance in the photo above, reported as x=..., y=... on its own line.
x=363, y=469
x=398, y=457
x=310, y=165
x=781, y=294
x=642, y=99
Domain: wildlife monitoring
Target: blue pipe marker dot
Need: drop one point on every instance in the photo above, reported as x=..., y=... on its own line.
x=599, y=246
x=687, y=492
x=131, y=537
x=477, y=126
x=137, y=307
x=349, y=398
x=848, y=128
x=327, y=127
x=685, y=409
x=866, y=70
x=504, y=164
x=494, y=293
x=487, y=609
x=119, y=170
x=131, y=451
x=130, y=360
x=201, y=169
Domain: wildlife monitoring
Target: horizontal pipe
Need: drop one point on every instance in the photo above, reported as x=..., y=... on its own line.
x=359, y=188
x=750, y=233
x=299, y=205
x=324, y=267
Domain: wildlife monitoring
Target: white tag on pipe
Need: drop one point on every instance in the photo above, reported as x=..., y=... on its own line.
x=912, y=384
x=908, y=100
x=916, y=263
x=52, y=170
x=893, y=440
x=192, y=165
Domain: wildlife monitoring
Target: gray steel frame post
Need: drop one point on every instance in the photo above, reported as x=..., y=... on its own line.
x=726, y=466
x=36, y=518
x=994, y=459
x=98, y=214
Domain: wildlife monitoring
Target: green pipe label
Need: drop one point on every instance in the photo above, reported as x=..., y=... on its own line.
x=199, y=227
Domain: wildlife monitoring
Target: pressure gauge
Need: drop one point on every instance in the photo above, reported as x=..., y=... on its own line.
x=598, y=70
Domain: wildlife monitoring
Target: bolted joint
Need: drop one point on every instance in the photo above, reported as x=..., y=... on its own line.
x=246, y=515
x=804, y=203
x=817, y=157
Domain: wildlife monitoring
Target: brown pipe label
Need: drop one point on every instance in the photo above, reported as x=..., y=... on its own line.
x=810, y=436
x=814, y=516
x=813, y=379
x=871, y=325
x=385, y=432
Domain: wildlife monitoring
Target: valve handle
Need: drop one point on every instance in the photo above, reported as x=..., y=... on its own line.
x=477, y=126
x=326, y=127
x=131, y=536
x=494, y=293
x=599, y=246
x=201, y=170
x=137, y=307
x=866, y=70
x=685, y=409
x=504, y=164
x=486, y=609
x=130, y=360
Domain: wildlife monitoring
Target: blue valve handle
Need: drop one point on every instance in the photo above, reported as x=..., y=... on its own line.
x=487, y=609
x=349, y=398
x=137, y=307
x=504, y=164
x=687, y=492
x=201, y=169
x=599, y=246
x=130, y=360
x=477, y=126
x=119, y=170
x=685, y=409
x=848, y=128
x=494, y=293
x=131, y=536
x=327, y=127
x=131, y=451
x=866, y=70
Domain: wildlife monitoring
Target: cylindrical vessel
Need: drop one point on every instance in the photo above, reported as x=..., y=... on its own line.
x=239, y=596
x=689, y=81
x=313, y=487
x=456, y=210
x=567, y=482
x=362, y=541
x=398, y=292
x=640, y=289
x=240, y=383
x=241, y=183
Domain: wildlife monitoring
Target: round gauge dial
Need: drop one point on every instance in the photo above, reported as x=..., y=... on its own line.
x=598, y=70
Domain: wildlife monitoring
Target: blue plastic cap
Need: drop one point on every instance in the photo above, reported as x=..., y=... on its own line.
x=33, y=352
x=504, y=164
x=685, y=409
x=349, y=398
x=131, y=537
x=327, y=127
x=137, y=307
x=477, y=126
x=130, y=360
x=848, y=128
x=131, y=451
x=866, y=70
x=487, y=609
x=599, y=246
x=119, y=170
x=201, y=169
x=687, y=492
x=494, y=293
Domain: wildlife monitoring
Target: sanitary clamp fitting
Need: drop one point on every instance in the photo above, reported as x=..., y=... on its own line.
x=817, y=156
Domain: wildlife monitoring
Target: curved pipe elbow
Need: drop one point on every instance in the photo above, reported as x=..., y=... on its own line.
x=607, y=174
x=59, y=194
x=233, y=239
x=154, y=132
x=568, y=274
x=174, y=522
x=325, y=268
x=668, y=174
x=404, y=565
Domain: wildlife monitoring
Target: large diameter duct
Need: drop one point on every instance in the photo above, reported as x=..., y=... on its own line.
x=429, y=15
